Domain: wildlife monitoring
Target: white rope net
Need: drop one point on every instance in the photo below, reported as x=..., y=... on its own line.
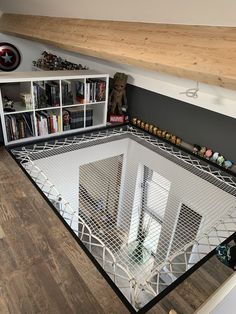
x=146, y=211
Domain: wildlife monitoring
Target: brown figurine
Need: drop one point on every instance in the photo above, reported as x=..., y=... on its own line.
x=150, y=128
x=154, y=130
x=134, y=121
x=146, y=127
x=173, y=139
x=142, y=125
x=117, y=98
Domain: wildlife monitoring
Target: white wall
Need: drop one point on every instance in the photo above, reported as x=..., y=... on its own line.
x=209, y=97
x=202, y=12
x=63, y=170
x=29, y=50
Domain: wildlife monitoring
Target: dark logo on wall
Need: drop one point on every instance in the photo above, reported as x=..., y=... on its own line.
x=9, y=57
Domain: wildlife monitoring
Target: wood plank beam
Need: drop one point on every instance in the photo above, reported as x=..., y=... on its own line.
x=201, y=53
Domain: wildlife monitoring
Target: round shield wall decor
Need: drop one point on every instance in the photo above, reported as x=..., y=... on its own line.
x=10, y=57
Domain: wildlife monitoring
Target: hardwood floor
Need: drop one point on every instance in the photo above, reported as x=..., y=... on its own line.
x=195, y=290
x=44, y=270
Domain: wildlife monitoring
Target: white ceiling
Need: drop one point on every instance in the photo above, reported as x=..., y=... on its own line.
x=201, y=12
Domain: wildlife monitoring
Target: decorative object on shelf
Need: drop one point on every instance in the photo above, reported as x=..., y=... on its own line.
x=159, y=133
x=116, y=118
x=150, y=128
x=142, y=125
x=154, y=130
x=173, y=139
x=208, y=153
x=8, y=104
x=118, y=100
x=202, y=151
x=228, y=164
x=10, y=57
x=26, y=99
x=168, y=136
x=196, y=149
x=215, y=156
x=163, y=133
x=178, y=141
x=146, y=127
x=220, y=160
x=134, y=121
x=51, y=62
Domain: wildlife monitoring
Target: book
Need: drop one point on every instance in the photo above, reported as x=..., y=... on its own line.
x=76, y=117
x=101, y=91
x=67, y=95
x=80, y=92
x=52, y=93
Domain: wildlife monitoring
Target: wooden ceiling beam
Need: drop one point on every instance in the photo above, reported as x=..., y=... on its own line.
x=200, y=53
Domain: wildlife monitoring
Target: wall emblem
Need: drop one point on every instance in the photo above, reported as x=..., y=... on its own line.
x=10, y=57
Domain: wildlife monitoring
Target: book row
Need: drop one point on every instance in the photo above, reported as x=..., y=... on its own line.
x=19, y=126
x=91, y=91
x=46, y=94
x=48, y=123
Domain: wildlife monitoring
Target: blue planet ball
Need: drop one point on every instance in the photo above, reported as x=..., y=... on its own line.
x=228, y=164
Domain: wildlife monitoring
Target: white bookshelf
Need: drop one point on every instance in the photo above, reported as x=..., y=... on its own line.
x=49, y=103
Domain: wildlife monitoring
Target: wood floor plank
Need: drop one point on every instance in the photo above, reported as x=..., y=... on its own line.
x=195, y=290
x=94, y=281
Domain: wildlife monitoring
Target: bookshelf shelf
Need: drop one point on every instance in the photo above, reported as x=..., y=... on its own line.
x=16, y=112
x=74, y=105
x=95, y=102
x=71, y=101
x=47, y=108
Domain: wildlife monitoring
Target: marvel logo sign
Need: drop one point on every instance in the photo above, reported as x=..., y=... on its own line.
x=117, y=119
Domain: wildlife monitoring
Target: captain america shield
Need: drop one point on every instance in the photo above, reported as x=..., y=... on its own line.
x=10, y=57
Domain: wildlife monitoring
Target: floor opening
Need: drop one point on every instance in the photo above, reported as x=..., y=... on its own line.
x=147, y=212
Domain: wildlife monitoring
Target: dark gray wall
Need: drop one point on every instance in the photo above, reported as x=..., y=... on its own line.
x=193, y=124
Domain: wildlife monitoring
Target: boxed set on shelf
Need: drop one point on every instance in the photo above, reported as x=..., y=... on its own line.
x=74, y=118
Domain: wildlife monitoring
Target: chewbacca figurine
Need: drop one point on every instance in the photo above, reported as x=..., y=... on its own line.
x=117, y=98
